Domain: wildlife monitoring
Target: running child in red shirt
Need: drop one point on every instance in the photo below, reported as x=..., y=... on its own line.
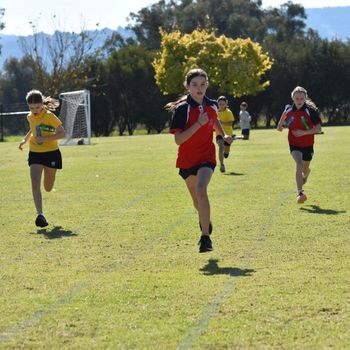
x=303, y=120
x=193, y=121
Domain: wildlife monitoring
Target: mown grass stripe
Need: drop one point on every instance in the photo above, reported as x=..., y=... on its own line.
x=115, y=266
x=209, y=313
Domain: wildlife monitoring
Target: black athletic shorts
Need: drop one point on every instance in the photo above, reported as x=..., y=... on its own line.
x=52, y=159
x=245, y=132
x=219, y=137
x=307, y=152
x=185, y=173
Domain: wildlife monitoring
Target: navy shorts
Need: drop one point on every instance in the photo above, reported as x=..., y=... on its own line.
x=245, y=132
x=307, y=152
x=219, y=137
x=52, y=159
x=185, y=173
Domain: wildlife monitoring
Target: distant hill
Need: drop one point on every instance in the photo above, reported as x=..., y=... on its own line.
x=330, y=22
x=11, y=47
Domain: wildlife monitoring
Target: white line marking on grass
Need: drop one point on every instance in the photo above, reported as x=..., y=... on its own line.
x=36, y=317
x=136, y=200
x=195, y=332
x=129, y=204
x=30, y=321
x=13, y=332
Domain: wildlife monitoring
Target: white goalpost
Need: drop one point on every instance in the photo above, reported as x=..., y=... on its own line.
x=75, y=115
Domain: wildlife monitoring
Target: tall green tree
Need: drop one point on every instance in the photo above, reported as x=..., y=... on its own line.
x=132, y=89
x=2, y=24
x=16, y=80
x=235, y=67
x=284, y=23
x=234, y=18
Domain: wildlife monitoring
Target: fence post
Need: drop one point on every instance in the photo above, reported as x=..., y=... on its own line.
x=1, y=124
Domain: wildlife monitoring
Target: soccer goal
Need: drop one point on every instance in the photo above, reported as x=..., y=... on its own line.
x=75, y=115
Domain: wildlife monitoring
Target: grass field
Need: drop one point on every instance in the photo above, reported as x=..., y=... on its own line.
x=119, y=268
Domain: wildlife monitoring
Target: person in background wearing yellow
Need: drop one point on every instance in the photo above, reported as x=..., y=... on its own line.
x=44, y=154
x=226, y=119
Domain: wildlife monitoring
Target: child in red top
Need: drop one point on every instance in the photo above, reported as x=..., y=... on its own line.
x=194, y=118
x=303, y=120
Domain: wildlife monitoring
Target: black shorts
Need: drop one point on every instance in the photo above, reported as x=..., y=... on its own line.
x=245, y=132
x=219, y=137
x=307, y=152
x=52, y=159
x=185, y=173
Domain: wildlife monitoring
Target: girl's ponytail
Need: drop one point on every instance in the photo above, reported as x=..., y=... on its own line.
x=51, y=103
x=171, y=106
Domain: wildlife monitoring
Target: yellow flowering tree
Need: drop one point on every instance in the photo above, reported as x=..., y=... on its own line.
x=234, y=67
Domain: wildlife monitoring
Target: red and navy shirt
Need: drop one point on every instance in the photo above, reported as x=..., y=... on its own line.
x=304, y=118
x=199, y=148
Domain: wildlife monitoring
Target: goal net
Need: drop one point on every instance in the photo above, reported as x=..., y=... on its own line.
x=75, y=115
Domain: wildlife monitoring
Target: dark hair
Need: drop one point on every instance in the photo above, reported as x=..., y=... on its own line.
x=193, y=73
x=35, y=96
x=223, y=98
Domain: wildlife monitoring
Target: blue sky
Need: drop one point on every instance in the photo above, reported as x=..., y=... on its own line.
x=75, y=15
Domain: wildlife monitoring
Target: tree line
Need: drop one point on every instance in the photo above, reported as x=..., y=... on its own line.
x=126, y=88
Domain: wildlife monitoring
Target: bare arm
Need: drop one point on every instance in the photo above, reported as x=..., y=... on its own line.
x=182, y=136
x=315, y=130
x=281, y=121
x=227, y=123
x=25, y=139
x=59, y=134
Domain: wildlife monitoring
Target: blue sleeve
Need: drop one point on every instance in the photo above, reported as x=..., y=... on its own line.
x=179, y=119
x=315, y=117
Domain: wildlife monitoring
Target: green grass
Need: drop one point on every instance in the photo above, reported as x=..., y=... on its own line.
x=119, y=268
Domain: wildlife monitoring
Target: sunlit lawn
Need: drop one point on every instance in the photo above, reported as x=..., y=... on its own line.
x=119, y=268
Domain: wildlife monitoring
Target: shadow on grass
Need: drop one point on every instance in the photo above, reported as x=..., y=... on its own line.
x=315, y=209
x=212, y=268
x=232, y=173
x=56, y=232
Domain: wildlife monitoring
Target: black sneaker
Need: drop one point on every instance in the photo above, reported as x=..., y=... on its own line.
x=210, y=227
x=205, y=244
x=41, y=221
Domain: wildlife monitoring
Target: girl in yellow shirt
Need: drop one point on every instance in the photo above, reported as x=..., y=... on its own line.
x=44, y=154
x=226, y=119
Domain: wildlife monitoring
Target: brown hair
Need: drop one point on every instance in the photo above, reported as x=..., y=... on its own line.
x=193, y=73
x=35, y=96
x=308, y=101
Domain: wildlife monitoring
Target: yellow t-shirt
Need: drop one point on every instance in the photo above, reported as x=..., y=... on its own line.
x=226, y=116
x=47, y=122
